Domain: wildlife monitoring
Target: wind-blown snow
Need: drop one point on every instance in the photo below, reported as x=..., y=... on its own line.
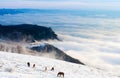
x=14, y=66
x=35, y=45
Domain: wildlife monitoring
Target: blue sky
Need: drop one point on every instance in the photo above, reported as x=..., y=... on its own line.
x=62, y=4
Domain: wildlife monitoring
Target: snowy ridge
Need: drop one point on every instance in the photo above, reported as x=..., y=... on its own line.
x=14, y=65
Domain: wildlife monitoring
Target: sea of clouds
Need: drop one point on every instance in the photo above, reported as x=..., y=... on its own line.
x=95, y=41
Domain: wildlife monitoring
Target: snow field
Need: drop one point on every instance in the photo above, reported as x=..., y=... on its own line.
x=14, y=65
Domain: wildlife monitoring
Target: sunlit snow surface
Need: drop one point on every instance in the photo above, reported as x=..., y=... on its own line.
x=14, y=66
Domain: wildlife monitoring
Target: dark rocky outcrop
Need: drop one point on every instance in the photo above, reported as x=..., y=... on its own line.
x=26, y=32
x=59, y=54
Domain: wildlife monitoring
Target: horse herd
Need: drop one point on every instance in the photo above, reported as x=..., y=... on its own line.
x=59, y=74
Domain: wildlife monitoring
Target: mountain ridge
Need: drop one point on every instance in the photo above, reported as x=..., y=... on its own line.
x=27, y=32
x=58, y=54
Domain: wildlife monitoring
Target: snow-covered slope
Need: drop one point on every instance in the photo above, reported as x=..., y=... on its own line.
x=15, y=66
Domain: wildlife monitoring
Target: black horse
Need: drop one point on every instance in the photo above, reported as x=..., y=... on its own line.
x=52, y=69
x=28, y=64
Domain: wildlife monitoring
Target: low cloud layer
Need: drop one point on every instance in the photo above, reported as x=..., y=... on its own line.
x=97, y=53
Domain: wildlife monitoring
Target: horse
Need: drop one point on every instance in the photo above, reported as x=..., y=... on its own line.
x=28, y=64
x=33, y=65
x=45, y=68
x=60, y=74
x=52, y=69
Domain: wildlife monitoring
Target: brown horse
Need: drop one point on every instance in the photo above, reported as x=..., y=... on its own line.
x=60, y=74
x=45, y=68
x=33, y=65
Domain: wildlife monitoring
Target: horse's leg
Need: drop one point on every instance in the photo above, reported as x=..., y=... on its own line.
x=63, y=75
x=57, y=74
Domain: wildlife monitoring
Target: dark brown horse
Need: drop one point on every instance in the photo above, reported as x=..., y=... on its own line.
x=28, y=64
x=60, y=74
